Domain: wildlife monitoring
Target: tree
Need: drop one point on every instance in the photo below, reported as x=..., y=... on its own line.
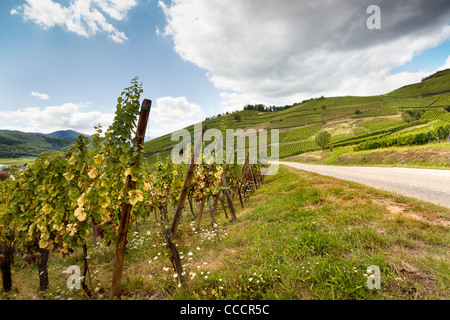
x=323, y=139
x=237, y=117
x=412, y=115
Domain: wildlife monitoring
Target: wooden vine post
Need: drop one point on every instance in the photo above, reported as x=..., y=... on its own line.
x=224, y=184
x=187, y=183
x=169, y=233
x=212, y=208
x=126, y=207
x=200, y=213
x=228, y=196
x=224, y=176
x=244, y=174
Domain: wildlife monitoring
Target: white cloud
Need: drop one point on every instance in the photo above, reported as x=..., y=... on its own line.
x=83, y=17
x=170, y=114
x=54, y=118
x=41, y=96
x=288, y=49
x=446, y=65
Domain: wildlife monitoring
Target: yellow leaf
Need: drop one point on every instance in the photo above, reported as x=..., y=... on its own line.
x=47, y=209
x=80, y=214
x=71, y=161
x=80, y=200
x=105, y=204
x=43, y=243
x=135, y=196
x=128, y=172
x=92, y=173
x=68, y=175
x=98, y=160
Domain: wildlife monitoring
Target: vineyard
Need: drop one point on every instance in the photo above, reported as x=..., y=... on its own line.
x=144, y=219
x=380, y=124
x=300, y=133
x=438, y=132
x=442, y=101
x=349, y=119
x=92, y=194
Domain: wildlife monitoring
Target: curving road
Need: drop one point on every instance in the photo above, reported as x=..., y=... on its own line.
x=426, y=184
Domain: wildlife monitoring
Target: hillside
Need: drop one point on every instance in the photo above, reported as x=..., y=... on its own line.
x=351, y=120
x=15, y=144
x=64, y=134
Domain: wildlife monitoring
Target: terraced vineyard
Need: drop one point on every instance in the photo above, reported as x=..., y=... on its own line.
x=380, y=123
x=349, y=119
x=301, y=133
x=442, y=101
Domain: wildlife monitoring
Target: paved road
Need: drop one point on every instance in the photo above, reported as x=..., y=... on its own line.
x=425, y=184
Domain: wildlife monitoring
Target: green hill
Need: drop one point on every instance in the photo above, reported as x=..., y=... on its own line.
x=65, y=134
x=15, y=144
x=351, y=120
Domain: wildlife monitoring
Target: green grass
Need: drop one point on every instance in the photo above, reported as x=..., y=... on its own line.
x=17, y=161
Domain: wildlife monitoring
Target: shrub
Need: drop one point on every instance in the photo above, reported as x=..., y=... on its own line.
x=412, y=115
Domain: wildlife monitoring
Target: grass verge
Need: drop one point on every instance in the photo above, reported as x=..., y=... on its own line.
x=432, y=156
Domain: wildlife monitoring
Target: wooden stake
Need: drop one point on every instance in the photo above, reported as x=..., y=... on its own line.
x=175, y=258
x=224, y=183
x=200, y=213
x=126, y=207
x=187, y=183
x=228, y=196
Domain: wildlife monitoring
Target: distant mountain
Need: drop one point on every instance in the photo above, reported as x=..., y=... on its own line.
x=15, y=144
x=65, y=134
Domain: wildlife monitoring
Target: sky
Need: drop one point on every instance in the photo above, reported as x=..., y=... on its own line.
x=64, y=63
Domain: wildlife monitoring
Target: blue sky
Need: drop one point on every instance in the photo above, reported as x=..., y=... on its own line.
x=198, y=58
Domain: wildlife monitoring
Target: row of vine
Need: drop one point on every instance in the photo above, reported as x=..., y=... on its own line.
x=65, y=198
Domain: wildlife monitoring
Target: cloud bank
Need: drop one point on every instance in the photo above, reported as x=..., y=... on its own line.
x=83, y=17
x=54, y=118
x=170, y=114
x=288, y=50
